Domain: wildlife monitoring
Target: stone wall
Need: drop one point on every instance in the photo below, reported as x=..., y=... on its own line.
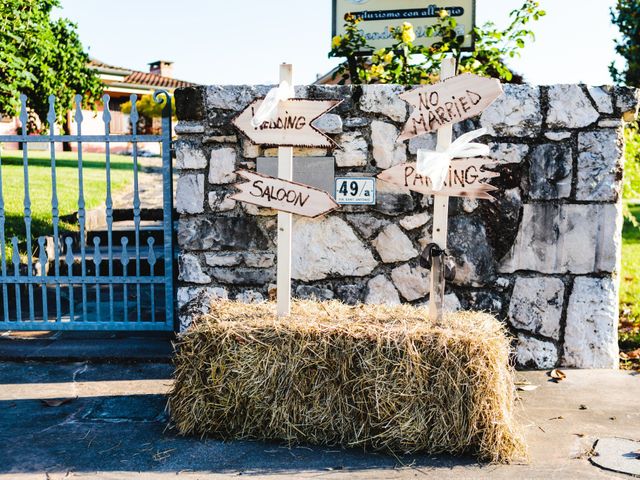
x=543, y=257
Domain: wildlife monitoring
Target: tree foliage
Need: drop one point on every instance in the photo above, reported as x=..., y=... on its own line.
x=407, y=63
x=147, y=106
x=626, y=16
x=40, y=56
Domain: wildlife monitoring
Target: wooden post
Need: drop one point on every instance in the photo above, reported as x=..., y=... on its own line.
x=440, y=214
x=285, y=172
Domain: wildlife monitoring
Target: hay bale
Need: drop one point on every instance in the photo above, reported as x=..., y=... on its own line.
x=382, y=377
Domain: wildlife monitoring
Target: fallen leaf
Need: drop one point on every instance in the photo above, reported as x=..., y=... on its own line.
x=633, y=353
x=56, y=402
x=579, y=434
x=557, y=375
x=527, y=388
x=557, y=418
x=583, y=407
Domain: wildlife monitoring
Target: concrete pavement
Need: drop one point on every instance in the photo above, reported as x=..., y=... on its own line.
x=114, y=426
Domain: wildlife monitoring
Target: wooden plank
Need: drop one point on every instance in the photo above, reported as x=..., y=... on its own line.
x=447, y=102
x=466, y=178
x=285, y=220
x=440, y=209
x=283, y=195
x=292, y=126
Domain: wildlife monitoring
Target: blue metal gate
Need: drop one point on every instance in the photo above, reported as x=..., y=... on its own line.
x=108, y=277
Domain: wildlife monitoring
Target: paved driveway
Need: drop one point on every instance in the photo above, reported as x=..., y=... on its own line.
x=116, y=428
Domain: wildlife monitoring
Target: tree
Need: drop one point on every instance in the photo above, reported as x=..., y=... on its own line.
x=406, y=63
x=39, y=57
x=626, y=17
x=148, y=109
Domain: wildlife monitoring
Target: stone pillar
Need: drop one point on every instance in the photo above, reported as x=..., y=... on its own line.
x=544, y=257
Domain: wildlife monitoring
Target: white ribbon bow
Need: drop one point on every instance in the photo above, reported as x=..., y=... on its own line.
x=435, y=165
x=269, y=106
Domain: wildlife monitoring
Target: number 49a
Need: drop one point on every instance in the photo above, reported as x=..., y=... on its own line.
x=349, y=188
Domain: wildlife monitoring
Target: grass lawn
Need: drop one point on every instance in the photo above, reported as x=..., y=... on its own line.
x=629, y=336
x=67, y=187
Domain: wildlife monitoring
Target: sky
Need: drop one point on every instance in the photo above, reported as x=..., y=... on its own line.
x=244, y=41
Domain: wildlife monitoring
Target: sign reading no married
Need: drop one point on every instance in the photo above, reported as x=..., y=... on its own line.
x=380, y=16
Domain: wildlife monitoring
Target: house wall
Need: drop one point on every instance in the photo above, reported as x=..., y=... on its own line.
x=544, y=257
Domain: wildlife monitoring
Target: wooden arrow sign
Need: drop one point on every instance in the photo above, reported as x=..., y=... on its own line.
x=283, y=195
x=465, y=179
x=292, y=125
x=448, y=102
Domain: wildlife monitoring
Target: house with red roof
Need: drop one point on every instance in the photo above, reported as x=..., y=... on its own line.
x=119, y=83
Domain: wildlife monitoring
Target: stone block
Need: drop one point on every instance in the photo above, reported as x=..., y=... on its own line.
x=386, y=152
x=250, y=150
x=189, y=128
x=566, y=239
x=329, y=123
x=233, y=97
x=557, y=136
x=354, y=150
x=599, y=166
x=380, y=290
x=185, y=295
x=189, y=103
x=534, y=353
x=384, y=99
x=569, y=107
x=392, y=200
x=411, y=282
x=249, y=296
x=259, y=260
x=417, y=220
x=602, y=98
x=327, y=247
x=355, y=122
x=451, y=303
x=190, y=193
x=351, y=294
x=222, y=165
x=550, y=171
x=222, y=259
x=509, y=152
x=298, y=152
x=366, y=224
x=536, y=305
x=220, y=202
x=243, y=276
x=627, y=101
x=190, y=269
x=471, y=252
x=309, y=292
x=220, y=233
x=515, y=114
x=393, y=245
x=427, y=141
x=189, y=156
x=591, y=334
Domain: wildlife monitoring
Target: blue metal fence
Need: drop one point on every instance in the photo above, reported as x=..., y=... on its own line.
x=76, y=284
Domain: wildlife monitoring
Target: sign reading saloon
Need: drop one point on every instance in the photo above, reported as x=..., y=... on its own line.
x=380, y=16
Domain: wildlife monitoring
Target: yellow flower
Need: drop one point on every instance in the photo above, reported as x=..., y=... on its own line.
x=336, y=41
x=380, y=52
x=443, y=13
x=408, y=35
x=388, y=57
x=377, y=70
